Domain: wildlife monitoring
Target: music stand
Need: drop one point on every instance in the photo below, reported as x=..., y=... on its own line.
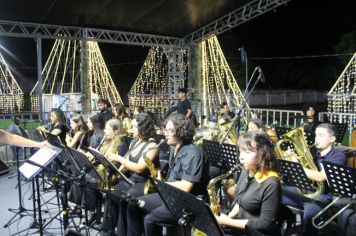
x=294, y=175
x=223, y=156
x=108, y=165
x=187, y=208
x=342, y=182
x=82, y=162
x=341, y=179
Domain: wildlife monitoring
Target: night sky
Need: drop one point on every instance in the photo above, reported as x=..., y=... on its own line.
x=302, y=28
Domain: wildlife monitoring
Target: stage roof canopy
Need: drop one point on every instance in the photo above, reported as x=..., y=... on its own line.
x=175, y=18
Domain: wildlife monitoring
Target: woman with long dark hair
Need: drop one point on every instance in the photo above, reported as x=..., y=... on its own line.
x=58, y=125
x=258, y=191
x=134, y=165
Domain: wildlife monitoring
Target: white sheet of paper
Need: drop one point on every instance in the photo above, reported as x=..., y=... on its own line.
x=42, y=157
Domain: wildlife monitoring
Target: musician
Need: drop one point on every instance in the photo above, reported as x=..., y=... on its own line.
x=184, y=107
x=310, y=121
x=224, y=124
x=225, y=110
x=185, y=172
x=325, y=136
x=135, y=167
x=258, y=192
x=58, y=125
x=121, y=114
x=256, y=125
x=96, y=131
x=77, y=130
x=103, y=106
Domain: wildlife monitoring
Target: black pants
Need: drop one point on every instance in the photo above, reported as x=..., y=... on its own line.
x=115, y=210
x=150, y=218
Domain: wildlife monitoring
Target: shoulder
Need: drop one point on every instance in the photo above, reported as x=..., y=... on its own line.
x=191, y=150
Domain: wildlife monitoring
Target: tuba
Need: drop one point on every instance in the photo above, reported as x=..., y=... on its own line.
x=302, y=153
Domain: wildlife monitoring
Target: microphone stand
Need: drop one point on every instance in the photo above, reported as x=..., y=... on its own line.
x=242, y=106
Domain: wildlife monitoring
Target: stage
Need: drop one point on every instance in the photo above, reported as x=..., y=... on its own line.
x=9, y=199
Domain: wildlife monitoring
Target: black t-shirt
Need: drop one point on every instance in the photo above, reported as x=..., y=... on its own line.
x=62, y=135
x=106, y=115
x=183, y=107
x=187, y=165
x=259, y=203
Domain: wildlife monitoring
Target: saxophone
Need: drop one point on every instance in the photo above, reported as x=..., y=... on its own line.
x=212, y=191
x=149, y=188
x=302, y=154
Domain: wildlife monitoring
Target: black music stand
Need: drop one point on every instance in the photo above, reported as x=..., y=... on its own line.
x=223, y=156
x=341, y=179
x=108, y=165
x=190, y=211
x=294, y=175
x=30, y=170
x=342, y=182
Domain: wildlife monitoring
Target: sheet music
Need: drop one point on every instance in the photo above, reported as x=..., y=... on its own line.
x=42, y=157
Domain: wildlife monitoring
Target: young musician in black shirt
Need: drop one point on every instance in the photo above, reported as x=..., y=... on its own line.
x=185, y=172
x=258, y=190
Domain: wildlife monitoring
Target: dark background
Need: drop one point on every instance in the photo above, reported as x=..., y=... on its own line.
x=304, y=45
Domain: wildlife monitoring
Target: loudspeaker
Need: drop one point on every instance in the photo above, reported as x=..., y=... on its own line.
x=4, y=169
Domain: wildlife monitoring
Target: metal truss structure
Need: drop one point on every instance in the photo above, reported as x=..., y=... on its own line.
x=241, y=15
x=34, y=30
x=162, y=74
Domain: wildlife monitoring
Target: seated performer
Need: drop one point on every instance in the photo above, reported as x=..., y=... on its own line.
x=121, y=114
x=58, y=125
x=134, y=165
x=258, y=191
x=77, y=130
x=185, y=172
x=325, y=136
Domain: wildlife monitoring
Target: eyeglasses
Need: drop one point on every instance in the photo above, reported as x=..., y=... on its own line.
x=171, y=131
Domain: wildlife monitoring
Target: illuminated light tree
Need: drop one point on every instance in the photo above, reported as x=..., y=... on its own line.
x=72, y=70
x=218, y=82
x=11, y=95
x=342, y=96
x=163, y=72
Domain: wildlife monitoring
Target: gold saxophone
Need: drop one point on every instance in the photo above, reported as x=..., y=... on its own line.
x=301, y=153
x=149, y=188
x=212, y=191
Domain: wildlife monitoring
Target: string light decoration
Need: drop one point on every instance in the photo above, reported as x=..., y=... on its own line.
x=62, y=85
x=159, y=78
x=342, y=96
x=11, y=95
x=218, y=82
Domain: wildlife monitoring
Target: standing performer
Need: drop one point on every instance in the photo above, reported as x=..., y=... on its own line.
x=185, y=172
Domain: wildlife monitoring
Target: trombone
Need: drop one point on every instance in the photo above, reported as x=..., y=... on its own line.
x=318, y=221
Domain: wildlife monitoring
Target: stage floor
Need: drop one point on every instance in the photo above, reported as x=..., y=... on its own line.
x=9, y=199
